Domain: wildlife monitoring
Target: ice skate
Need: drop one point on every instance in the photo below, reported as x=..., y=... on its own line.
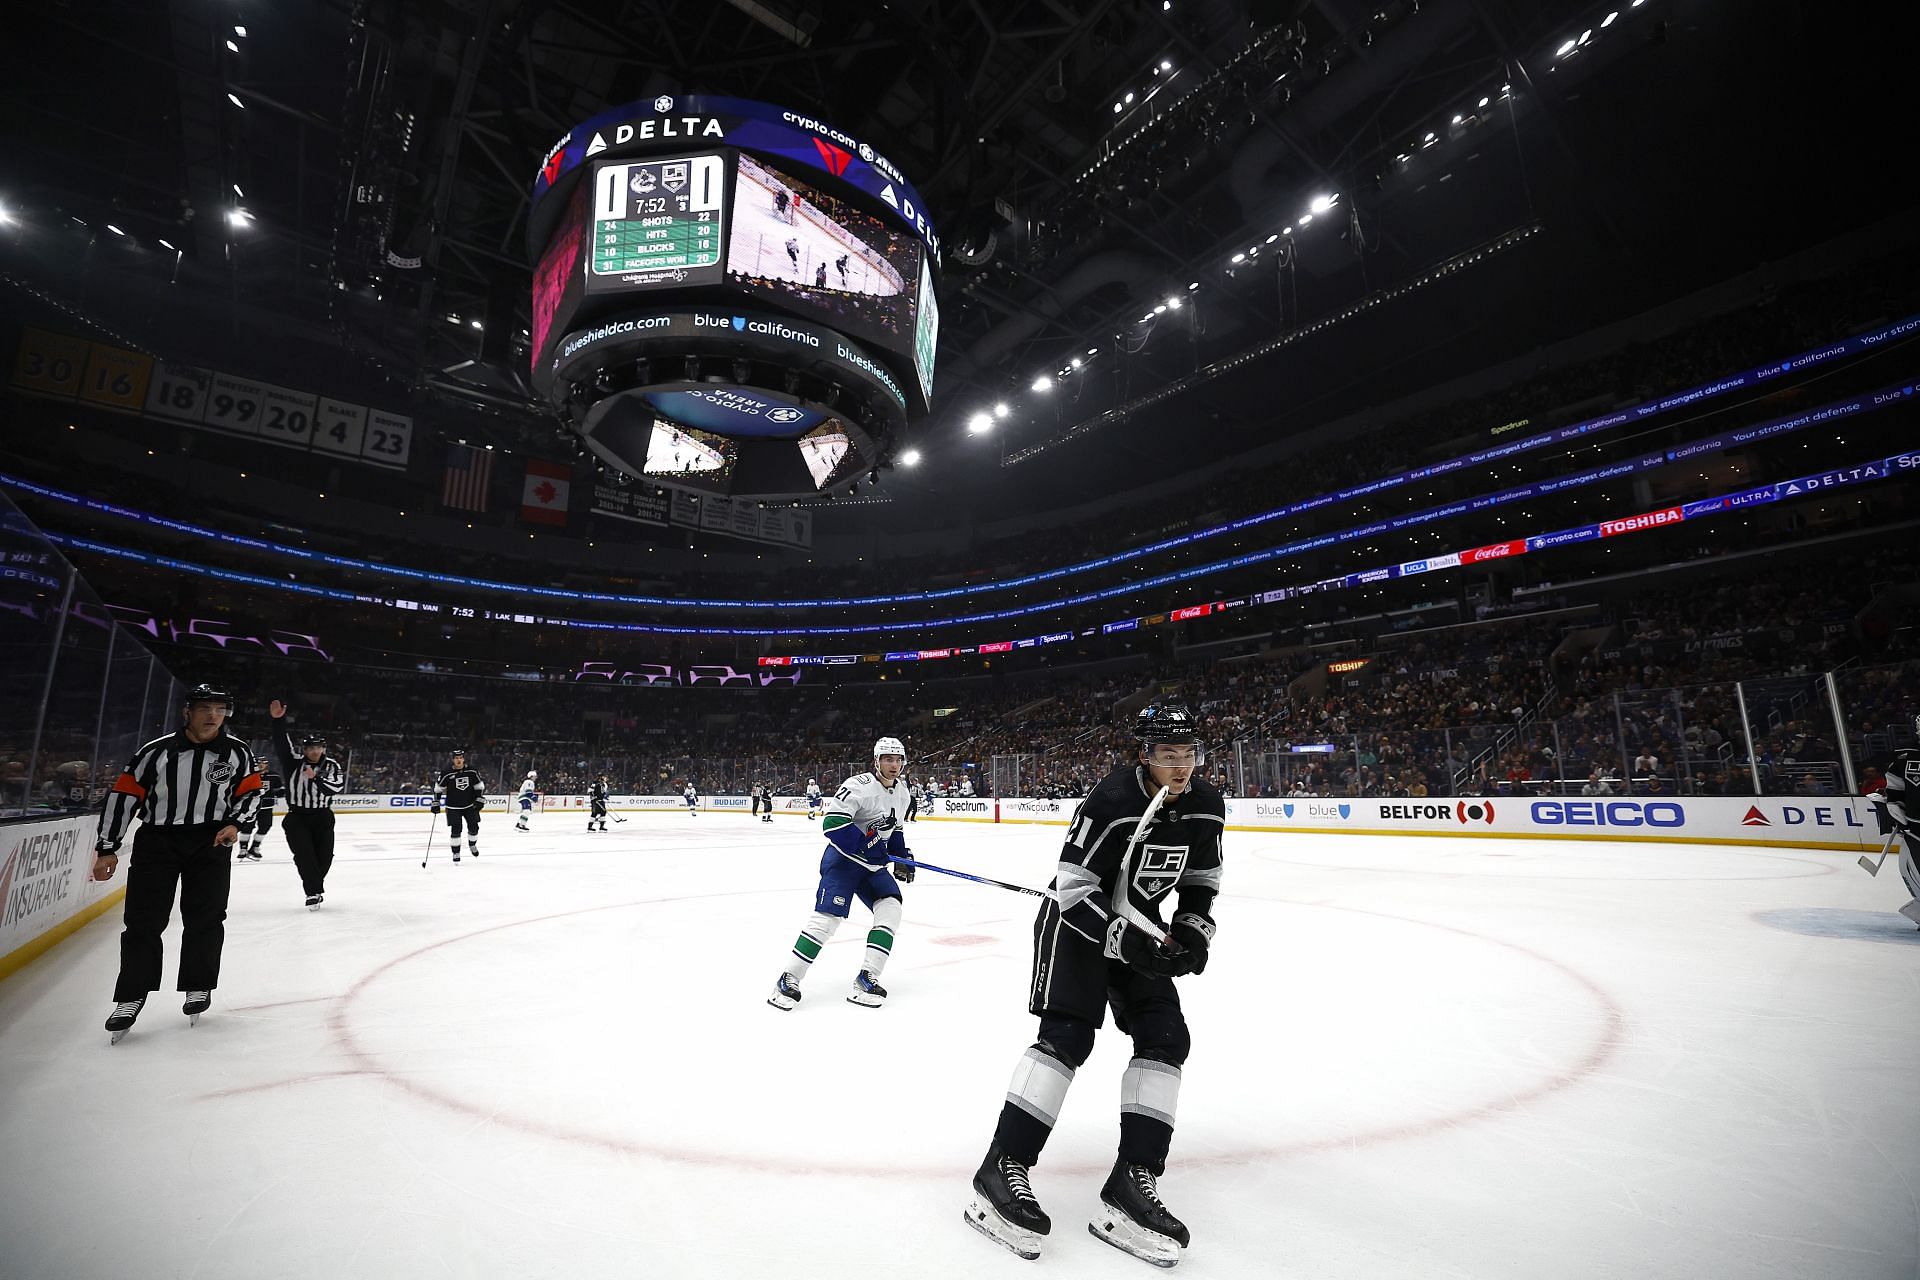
x=786, y=993
x=1134, y=1220
x=1004, y=1209
x=197, y=1003
x=121, y=1020
x=313, y=902
x=867, y=991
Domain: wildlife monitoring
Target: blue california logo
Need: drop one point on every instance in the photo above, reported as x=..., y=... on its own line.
x=739, y=323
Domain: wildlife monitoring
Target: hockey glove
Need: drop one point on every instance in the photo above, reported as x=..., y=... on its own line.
x=903, y=872
x=436, y=808
x=1194, y=932
x=1143, y=954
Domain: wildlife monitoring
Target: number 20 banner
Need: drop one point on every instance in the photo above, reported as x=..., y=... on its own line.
x=65, y=368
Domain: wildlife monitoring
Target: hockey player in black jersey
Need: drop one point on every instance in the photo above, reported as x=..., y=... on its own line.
x=597, y=803
x=464, y=795
x=272, y=787
x=1897, y=805
x=1100, y=943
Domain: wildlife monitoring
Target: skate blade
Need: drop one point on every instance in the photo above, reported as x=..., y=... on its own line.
x=866, y=1001
x=1129, y=1237
x=115, y=1037
x=1912, y=911
x=1017, y=1240
x=193, y=1019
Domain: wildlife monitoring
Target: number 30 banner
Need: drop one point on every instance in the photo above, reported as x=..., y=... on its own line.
x=65, y=368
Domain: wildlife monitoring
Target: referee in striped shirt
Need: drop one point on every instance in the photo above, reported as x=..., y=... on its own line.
x=313, y=779
x=195, y=788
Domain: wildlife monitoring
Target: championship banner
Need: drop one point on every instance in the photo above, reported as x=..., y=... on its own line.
x=641, y=505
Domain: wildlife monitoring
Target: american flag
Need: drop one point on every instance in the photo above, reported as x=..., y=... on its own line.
x=469, y=472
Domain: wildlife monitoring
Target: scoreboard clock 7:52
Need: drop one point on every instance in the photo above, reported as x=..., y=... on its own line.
x=657, y=223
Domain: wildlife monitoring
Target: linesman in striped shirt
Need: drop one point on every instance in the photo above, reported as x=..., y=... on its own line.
x=314, y=778
x=194, y=789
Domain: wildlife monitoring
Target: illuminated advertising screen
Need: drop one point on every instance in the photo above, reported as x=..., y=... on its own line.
x=687, y=454
x=734, y=411
x=657, y=223
x=819, y=256
x=557, y=277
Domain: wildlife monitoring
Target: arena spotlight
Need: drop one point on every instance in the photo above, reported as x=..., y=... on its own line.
x=232, y=47
x=1239, y=257
x=1042, y=384
x=240, y=31
x=1160, y=309
x=1074, y=363
x=979, y=423
x=911, y=458
x=1565, y=49
x=235, y=100
x=1002, y=409
x=1610, y=19
x=1323, y=203
x=1173, y=304
x=477, y=324
x=1166, y=64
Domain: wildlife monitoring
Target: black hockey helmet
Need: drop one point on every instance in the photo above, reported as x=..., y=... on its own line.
x=459, y=753
x=204, y=692
x=259, y=762
x=1166, y=722
x=313, y=740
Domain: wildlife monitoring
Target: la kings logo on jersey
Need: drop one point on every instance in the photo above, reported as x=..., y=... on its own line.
x=1158, y=868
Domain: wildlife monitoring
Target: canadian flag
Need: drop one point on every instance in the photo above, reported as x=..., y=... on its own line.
x=544, y=499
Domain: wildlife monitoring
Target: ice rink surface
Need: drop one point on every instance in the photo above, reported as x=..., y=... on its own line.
x=1412, y=1058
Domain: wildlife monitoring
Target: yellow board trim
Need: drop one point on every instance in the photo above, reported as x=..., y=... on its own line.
x=19, y=957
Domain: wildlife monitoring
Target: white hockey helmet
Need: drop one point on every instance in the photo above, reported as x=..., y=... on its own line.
x=533, y=773
x=889, y=747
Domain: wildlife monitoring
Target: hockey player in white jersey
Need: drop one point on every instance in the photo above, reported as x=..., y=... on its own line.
x=813, y=798
x=862, y=826
x=528, y=797
x=692, y=796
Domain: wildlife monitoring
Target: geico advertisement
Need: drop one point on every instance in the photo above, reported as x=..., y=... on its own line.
x=1838, y=822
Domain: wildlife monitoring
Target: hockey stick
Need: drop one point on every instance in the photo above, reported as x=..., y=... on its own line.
x=917, y=865
x=433, y=829
x=1123, y=882
x=949, y=871
x=1873, y=868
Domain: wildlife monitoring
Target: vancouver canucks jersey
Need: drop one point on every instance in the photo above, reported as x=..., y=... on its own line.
x=863, y=819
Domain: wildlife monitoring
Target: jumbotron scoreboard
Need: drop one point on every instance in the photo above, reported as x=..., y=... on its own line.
x=735, y=275
x=658, y=222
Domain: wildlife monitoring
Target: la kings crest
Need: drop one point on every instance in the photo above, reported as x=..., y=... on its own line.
x=1158, y=869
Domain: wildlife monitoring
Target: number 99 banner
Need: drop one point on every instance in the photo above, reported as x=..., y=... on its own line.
x=59, y=367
